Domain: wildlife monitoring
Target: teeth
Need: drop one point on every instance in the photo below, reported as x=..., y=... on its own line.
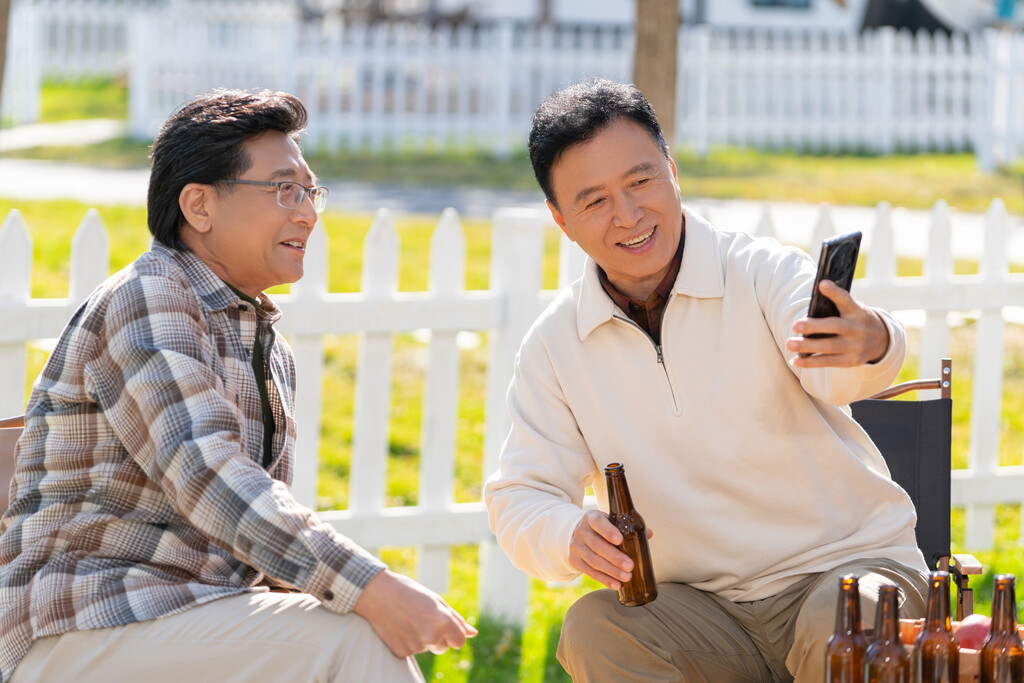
x=638, y=240
x=297, y=245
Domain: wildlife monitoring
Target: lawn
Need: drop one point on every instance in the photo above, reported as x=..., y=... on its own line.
x=501, y=653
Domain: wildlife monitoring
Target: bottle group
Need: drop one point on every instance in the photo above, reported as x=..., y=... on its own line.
x=936, y=656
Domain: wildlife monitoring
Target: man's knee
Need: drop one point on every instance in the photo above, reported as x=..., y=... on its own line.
x=588, y=619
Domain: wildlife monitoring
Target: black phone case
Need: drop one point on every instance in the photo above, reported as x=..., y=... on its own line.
x=837, y=263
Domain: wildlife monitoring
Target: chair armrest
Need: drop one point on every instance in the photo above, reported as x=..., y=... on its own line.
x=965, y=563
x=964, y=566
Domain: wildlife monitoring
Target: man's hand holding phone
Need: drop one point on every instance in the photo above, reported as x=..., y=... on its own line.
x=855, y=337
x=838, y=331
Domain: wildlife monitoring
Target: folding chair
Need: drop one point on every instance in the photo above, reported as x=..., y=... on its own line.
x=915, y=440
x=10, y=430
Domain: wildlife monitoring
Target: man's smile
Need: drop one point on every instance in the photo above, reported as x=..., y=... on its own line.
x=639, y=240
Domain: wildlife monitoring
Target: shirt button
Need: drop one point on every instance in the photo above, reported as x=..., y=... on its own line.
x=328, y=596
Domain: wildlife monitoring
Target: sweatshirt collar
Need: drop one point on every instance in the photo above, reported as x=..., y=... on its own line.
x=700, y=276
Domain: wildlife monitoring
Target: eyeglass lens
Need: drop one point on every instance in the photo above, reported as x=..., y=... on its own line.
x=290, y=196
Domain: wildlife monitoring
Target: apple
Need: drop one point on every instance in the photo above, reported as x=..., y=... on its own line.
x=972, y=630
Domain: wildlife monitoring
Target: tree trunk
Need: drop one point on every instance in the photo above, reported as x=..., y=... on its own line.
x=655, y=59
x=5, y=13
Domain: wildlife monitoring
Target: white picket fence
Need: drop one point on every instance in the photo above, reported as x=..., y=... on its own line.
x=404, y=86
x=379, y=311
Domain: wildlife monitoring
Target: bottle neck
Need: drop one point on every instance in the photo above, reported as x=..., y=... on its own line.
x=887, y=623
x=619, y=500
x=1004, y=606
x=848, y=614
x=937, y=616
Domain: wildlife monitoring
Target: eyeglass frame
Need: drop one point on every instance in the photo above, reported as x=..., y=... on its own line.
x=306, y=191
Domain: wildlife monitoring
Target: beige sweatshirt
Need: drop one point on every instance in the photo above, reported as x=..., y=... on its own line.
x=750, y=472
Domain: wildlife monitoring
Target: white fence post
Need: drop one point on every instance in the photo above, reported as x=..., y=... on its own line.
x=308, y=295
x=372, y=410
x=987, y=387
x=15, y=280
x=90, y=257
x=938, y=270
x=440, y=397
x=516, y=256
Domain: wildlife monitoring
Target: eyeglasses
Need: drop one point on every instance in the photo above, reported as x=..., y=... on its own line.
x=290, y=194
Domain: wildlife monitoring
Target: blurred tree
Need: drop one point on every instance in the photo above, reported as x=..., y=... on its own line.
x=655, y=58
x=5, y=13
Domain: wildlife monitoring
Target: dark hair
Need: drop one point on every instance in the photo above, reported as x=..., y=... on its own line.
x=580, y=112
x=203, y=142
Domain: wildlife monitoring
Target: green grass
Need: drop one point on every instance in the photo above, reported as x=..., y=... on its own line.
x=86, y=98
x=499, y=653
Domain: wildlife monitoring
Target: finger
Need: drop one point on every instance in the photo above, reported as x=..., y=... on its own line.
x=650, y=533
x=839, y=296
x=460, y=621
x=600, y=569
x=601, y=554
x=599, y=522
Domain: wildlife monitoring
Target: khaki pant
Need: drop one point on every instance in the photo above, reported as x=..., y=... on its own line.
x=245, y=638
x=689, y=635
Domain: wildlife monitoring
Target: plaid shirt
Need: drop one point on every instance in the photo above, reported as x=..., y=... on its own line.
x=139, y=490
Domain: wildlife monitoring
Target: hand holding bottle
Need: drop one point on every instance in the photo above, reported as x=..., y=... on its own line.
x=594, y=550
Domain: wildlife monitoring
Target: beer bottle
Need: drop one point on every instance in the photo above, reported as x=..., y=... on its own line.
x=885, y=660
x=936, y=652
x=844, y=654
x=1002, y=653
x=641, y=588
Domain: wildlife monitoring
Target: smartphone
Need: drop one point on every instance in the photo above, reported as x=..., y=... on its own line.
x=837, y=263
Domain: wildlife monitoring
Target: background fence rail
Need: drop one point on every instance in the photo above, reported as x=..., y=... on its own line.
x=504, y=312
x=397, y=86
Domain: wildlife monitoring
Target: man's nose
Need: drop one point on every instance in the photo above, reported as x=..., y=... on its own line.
x=627, y=212
x=305, y=212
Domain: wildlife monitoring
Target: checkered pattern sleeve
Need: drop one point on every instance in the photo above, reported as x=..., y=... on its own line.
x=139, y=490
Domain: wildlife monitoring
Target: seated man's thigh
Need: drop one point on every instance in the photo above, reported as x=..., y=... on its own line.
x=684, y=635
x=817, y=616
x=251, y=637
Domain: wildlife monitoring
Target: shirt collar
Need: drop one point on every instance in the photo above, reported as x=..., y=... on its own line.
x=660, y=293
x=215, y=294
x=700, y=276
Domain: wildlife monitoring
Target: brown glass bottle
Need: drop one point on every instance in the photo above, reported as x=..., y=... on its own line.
x=936, y=652
x=885, y=659
x=1002, y=653
x=844, y=654
x=641, y=588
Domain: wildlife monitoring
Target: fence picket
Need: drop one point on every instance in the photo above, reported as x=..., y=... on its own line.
x=90, y=256
x=938, y=270
x=372, y=411
x=440, y=397
x=15, y=284
x=309, y=367
x=881, y=262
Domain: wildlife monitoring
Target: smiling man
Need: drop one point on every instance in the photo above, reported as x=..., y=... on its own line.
x=151, y=533
x=678, y=353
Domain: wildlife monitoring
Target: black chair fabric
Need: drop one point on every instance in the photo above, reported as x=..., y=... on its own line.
x=915, y=440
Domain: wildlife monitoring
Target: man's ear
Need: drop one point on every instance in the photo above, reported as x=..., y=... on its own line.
x=559, y=218
x=198, y=202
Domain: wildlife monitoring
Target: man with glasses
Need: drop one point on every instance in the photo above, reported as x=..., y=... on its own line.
x=151, y=532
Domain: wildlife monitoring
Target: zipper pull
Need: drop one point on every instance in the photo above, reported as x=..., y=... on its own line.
x=661, y=359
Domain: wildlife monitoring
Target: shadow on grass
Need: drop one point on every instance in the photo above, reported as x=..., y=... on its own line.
x=553, y=671
x=497, y=652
